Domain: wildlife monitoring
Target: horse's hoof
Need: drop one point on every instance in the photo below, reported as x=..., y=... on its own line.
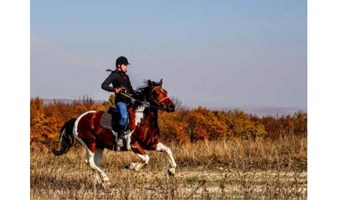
x=138, y=167
x=106, y=184
x=131, y=166
x=134, y=166
x=171, y=172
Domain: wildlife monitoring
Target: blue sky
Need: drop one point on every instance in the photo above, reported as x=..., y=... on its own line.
x=209, y=53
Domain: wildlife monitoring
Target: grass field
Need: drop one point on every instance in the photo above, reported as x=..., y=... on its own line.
x=231, y=169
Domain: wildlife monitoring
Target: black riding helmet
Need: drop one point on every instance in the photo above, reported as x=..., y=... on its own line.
x=122, y=60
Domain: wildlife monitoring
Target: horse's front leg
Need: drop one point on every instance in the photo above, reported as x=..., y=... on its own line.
x=162, y=148
x=140, y=152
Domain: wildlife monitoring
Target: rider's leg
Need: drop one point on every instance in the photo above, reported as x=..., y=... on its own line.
x=122, y=108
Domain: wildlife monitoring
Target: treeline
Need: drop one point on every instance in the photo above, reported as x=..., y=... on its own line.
x=184, y=125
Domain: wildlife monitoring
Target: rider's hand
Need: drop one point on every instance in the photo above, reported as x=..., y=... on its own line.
x=117, y=90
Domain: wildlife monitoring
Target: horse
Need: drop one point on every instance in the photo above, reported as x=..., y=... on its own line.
x=90, y=133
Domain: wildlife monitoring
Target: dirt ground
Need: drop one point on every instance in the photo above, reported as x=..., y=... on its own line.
x=188, y=183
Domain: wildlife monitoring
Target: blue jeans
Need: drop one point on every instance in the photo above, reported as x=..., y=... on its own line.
x=122, y=108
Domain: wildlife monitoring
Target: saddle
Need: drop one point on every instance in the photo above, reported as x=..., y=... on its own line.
x=110, y=119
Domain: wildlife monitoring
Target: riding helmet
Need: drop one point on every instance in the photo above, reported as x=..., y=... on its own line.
x=122, y=60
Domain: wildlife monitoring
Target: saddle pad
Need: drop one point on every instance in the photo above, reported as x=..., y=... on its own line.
x=105, y=120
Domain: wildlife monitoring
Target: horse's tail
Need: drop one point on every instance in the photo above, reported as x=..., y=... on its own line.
x=66, y=138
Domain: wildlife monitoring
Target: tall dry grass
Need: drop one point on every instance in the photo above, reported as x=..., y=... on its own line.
x=228, y=169
x=288, y=152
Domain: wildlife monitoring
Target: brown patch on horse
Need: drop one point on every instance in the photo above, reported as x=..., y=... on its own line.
x=105, y=137
x=147, y=133
x=136, y=148
x=132, y=124
x=85, y=130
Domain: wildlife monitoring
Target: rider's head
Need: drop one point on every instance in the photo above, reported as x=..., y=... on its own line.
x=122, y=63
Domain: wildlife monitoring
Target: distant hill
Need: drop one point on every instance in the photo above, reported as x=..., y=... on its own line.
x=67, y=101
x=270, y=111
x=258, y=111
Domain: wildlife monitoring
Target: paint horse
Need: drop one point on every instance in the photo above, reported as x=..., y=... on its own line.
x=87, y=130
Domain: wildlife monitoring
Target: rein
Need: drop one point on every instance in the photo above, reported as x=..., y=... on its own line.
x=145, y=103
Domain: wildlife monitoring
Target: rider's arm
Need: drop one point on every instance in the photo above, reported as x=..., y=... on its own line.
x=106, y=83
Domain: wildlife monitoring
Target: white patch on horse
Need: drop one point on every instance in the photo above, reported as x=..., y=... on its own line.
x=139, y=114
x=161, y=147
x=138, y=166
x=145, y=158
x=78, y=120
x=126, y=136
x=114, y=133
x=128, y=140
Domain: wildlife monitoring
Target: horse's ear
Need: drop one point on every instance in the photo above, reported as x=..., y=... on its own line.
x=161, y=82
x=149, y=82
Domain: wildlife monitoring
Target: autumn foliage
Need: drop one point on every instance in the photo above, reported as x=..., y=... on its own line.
x=182, y=126
x=47, y=119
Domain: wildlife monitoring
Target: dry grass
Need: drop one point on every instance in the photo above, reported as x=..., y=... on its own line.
x=234, y=169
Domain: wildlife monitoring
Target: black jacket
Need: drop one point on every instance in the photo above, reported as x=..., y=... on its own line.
x=118, y=79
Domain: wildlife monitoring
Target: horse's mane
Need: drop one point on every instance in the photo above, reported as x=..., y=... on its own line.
x=143, y=91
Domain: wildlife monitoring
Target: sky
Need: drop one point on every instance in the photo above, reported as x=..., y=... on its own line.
x=209, y=53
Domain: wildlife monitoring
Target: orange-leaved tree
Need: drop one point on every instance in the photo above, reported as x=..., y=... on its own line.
x=241, y=125
x=173, y=128
x=204, y=125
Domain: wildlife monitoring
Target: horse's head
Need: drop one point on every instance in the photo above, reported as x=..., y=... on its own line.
x=157, y=96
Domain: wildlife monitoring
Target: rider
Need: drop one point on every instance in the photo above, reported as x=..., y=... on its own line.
x=121, y=85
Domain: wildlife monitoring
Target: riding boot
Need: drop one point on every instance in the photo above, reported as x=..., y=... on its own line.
x=120, y=134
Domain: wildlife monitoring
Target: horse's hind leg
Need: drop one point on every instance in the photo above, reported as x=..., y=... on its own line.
x=84, y=132
x=92, y=159
x=98, y=156
x=93, y=165
x=162, y=148
x=97, y=159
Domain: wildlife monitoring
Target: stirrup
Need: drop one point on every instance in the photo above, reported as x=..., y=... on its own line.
x=119, y=139
x=120, y=142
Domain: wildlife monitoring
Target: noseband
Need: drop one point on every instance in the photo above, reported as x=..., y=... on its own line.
x=160, y=101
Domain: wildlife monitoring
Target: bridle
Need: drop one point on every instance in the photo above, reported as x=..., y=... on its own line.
x=158, y=102
x=148, y=103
